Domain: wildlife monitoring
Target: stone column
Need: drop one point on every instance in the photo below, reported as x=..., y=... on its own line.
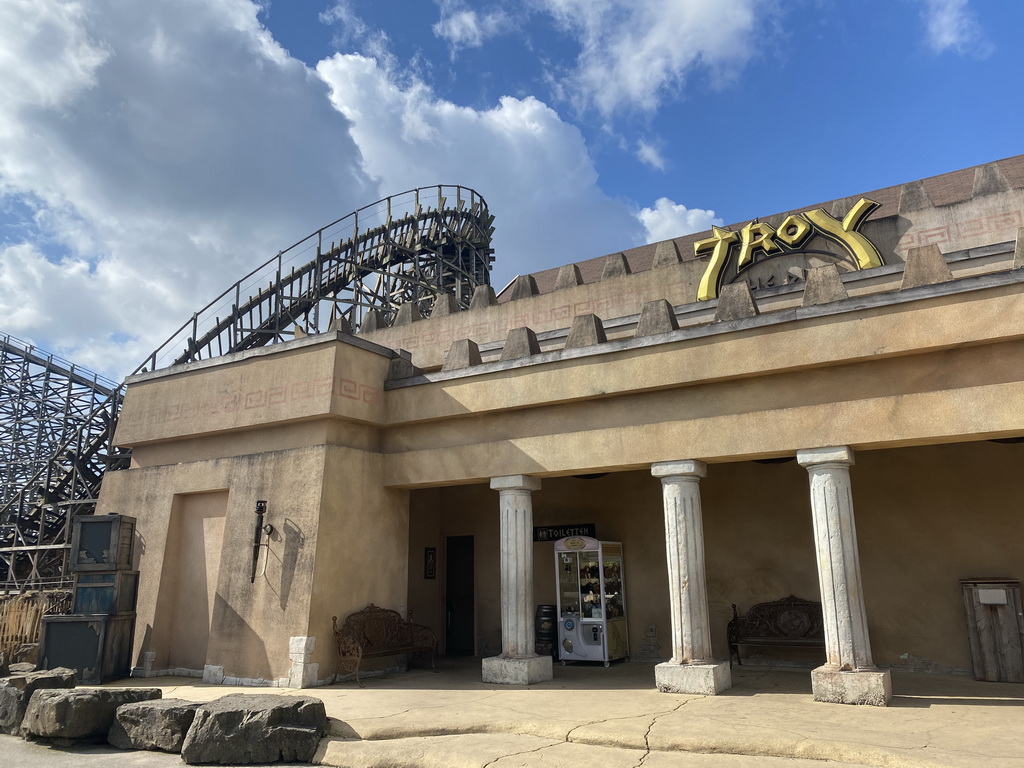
x=692, y=668
x=518, y=663
x=848, y=676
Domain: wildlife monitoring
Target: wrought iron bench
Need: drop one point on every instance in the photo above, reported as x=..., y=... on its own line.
x=376, y=632
x=787, y=623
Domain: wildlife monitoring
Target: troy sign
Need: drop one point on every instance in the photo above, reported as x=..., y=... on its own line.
x=788, y=238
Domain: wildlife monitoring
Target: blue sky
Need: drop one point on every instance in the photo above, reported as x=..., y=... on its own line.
x=152, y=153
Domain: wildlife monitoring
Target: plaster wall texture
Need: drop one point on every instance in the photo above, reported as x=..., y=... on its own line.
x=309, y=378
x=252, y=621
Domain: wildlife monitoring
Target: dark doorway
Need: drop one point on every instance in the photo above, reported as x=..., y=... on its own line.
x=459, y=603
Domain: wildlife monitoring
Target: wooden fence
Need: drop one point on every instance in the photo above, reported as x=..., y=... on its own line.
x=21, y=616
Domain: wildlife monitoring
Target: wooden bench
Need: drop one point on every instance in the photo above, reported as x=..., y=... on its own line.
x=786, y=623
x=375, y=632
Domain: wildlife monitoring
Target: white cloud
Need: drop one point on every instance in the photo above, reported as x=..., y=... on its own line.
x=668, y=219
x=463, y=27
x=163, y=149
x=633, y=53
x=649, y=154
x=951, y=26
x=533, y=169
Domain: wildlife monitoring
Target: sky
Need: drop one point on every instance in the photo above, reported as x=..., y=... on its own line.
x=152, y=153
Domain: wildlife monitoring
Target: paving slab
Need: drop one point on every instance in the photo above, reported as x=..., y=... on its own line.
x=590, y=715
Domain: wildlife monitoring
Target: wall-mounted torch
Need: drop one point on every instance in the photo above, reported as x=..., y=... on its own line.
x=257, y=539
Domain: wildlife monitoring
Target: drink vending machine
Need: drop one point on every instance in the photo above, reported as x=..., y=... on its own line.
x=591, y=600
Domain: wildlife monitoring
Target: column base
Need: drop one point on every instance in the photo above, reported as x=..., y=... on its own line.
x=704, y=679
x=835, y=687
x=504, y=671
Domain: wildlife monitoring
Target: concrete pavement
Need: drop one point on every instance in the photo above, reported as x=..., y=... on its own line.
x=592, y=716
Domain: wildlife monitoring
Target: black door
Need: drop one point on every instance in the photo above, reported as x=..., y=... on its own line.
x=459, y=598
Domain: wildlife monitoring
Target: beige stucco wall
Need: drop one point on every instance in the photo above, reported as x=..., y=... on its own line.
x=252, y=621
x=361, y=474
x=926, y=517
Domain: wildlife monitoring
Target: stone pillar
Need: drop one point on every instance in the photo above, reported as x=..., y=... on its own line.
x=518, y=663
x=303, y=672
x=848, y=676
x=692, y=668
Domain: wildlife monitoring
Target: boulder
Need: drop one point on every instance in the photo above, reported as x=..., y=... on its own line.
x=26, y=653
x=15, y=692
x=156, y=724
x=23, y=667
x=85, y=713
x=255, y=728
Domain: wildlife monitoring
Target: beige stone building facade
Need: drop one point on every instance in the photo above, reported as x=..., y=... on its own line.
x=826, y=403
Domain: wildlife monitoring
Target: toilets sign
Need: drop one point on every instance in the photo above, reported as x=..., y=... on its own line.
x=792, y=235
x=556, y=532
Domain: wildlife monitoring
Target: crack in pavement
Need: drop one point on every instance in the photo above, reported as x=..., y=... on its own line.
x=647, y=734
x=523, y=752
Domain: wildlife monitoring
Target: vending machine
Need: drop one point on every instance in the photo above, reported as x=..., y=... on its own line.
x=591, y=600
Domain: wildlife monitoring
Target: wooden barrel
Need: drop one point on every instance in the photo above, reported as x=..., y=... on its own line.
x=546, y=629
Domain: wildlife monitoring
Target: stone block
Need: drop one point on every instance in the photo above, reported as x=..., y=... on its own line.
x=17, y=690
x=681, y=468
x=873, y=688
x=524, y=287
x=213, y=674
x=85, y=713
x=445, y=304
x=914, y=197
x=340, y=324
x=702, y=679
x=836, y=454
x=26, y=653
x=160, y=724
x=246, y=728
x=735, y=302
x=615, y=265
x=587, y=330
x=372, y=321
x=925, y=266
x=568, y=277
x=989, y=180
x=401, y=367
x=666, y=254
x=656, y=317
x=823, y=286
x=408, y=314
x=502, y=671
x=301, y=645
x=520, y=342
x=463, y=353
x=483, y=296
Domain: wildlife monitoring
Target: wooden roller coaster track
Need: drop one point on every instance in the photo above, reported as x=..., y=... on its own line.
x=406, y=248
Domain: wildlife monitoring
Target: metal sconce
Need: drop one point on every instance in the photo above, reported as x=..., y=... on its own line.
x=257, y=539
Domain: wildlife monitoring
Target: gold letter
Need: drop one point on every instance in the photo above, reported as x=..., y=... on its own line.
x=719, y=247
x=845, y=233
x=793, y=230
x=756, y=235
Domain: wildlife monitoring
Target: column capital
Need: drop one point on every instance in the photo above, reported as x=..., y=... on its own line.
x=837, y=454
x=684, y=468
x=515, y=483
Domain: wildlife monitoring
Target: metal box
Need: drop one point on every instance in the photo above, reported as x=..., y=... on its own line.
x=102, y=543
x=97, y=647
x=109, y=592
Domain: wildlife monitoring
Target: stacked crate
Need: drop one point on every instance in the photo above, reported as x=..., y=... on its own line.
x=96, y=638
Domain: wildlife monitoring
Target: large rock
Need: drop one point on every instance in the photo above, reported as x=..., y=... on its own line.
x=157, y=724
x=255, y=728
x=15, y=692
x=80, y=714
